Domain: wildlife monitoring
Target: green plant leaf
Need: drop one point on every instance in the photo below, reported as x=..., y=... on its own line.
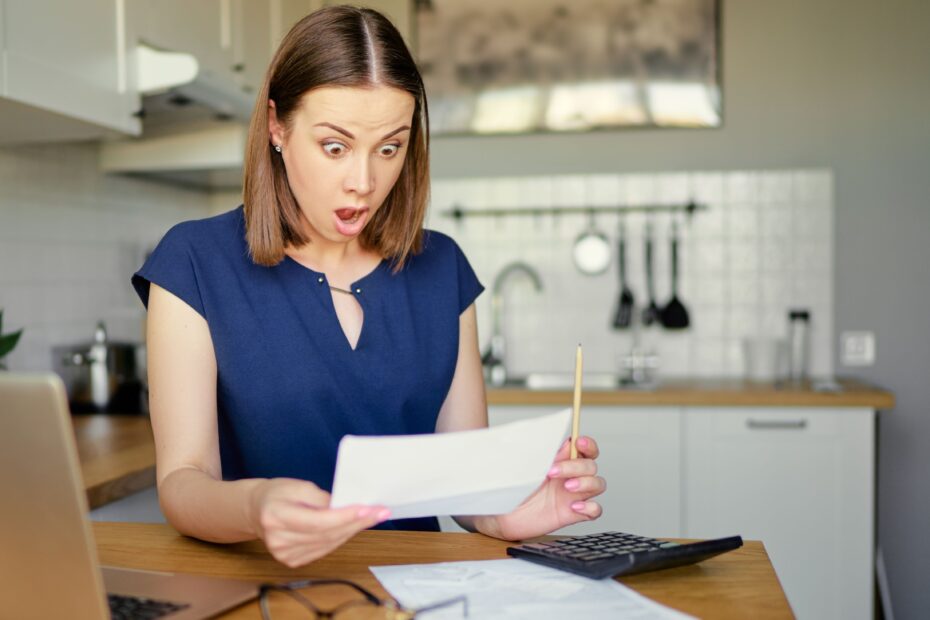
x=8, y=342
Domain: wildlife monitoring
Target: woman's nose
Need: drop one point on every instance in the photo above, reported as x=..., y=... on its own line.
x=360, y=179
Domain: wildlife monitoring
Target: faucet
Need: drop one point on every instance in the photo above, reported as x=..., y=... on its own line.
x=494, y=360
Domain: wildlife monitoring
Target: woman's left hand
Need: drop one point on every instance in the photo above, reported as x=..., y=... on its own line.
x=562, y=499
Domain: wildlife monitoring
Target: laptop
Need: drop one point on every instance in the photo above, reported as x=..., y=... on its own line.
x=48, y=559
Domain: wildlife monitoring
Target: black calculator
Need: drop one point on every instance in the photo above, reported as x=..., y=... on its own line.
x=612, y=554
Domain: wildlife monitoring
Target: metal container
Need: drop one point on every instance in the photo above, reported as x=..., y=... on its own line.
x=102, y=376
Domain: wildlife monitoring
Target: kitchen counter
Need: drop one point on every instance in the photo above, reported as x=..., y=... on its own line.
x=705, y=392
x=117, y=455
x=117, y=452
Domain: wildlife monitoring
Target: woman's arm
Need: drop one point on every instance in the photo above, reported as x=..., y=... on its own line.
x=291, y=516
x=562, y=499
x=182, y=400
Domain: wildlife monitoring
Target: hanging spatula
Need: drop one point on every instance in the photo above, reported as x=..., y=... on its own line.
x=623, y=315
x=674, y=314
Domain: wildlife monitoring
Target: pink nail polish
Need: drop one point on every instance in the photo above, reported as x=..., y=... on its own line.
x=583, y=442
x=577, y=505
x=573, y=484
x=554, y=471
x=383, y=514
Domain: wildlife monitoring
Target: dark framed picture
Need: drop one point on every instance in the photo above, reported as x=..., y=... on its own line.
x=525, y=66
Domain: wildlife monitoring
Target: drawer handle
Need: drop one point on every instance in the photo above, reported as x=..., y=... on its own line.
x=776, y=424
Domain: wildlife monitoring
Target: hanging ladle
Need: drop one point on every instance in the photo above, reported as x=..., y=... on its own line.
x=651, y=312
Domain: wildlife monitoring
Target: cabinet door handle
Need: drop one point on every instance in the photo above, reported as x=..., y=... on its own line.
x=776, y=424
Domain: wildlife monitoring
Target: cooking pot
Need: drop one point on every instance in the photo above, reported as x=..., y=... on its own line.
x=102, y=376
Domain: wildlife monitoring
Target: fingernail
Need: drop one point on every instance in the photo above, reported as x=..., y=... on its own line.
x=573, y=484
x=582, y=442
x=577, y=505
x=364, y=511
x=554, y=471
x=383, y=514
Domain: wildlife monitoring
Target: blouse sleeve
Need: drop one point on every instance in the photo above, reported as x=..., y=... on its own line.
x=171, y=265
x=469, y=285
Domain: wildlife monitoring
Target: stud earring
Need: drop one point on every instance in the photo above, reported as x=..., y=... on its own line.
x=277, y=147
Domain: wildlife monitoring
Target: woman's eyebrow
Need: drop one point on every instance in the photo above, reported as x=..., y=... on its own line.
x=349, y=135
x=344, y=132
x=396, y=131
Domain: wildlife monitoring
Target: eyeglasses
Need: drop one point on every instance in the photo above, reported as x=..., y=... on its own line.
x=347, y=601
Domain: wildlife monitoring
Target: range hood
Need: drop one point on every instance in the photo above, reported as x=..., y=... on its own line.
x=194, y=125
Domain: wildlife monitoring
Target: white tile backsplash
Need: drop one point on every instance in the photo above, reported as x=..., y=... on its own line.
x=70, y=238
x=764, y=245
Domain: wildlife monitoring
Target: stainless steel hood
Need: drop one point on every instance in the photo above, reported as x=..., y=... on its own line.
x=193, y=126
x=205, y=156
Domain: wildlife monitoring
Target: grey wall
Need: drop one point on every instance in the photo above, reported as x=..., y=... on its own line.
x=841, y=84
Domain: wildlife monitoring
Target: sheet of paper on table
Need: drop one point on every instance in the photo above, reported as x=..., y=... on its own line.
x=478, y=472
x=505, y=589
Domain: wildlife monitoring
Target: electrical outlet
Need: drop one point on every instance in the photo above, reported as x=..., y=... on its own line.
x=857, y=348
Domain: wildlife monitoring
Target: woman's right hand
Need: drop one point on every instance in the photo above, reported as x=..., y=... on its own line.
x=294, y=519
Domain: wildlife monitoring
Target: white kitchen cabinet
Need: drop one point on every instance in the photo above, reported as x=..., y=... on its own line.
x=203, y=29
x=252, y=43
x=801, y=480
x=66, y=71
x=640, y=460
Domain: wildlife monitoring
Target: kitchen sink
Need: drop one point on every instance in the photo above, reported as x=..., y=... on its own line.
x=566, y=381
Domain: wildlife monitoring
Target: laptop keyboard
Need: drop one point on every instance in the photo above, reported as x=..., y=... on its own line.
x=135, y=608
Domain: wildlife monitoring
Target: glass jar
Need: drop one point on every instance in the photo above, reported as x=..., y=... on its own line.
x=798, y=344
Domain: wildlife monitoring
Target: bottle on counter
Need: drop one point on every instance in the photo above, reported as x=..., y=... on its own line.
x=798, y=344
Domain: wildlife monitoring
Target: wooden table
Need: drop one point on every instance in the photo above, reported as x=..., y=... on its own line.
x=739, y=584
x=117, y=455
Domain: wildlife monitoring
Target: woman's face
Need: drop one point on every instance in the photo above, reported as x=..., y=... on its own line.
x=343, y=154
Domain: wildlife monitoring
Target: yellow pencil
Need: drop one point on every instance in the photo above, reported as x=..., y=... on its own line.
x=576, y=405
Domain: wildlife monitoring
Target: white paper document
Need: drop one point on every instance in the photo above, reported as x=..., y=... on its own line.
x=479, y=472
x=504, y=589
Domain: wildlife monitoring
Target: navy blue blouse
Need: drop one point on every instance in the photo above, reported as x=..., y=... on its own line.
x=289, y=385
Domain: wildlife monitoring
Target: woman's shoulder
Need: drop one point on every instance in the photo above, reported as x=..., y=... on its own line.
x=222, y=227
x=436, y=243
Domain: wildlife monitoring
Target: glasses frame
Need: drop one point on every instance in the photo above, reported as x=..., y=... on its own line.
x=393, y=609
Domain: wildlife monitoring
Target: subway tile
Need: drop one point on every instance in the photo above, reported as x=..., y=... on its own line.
x=503, y=192
x=743, y=221
x=707, y=188
x=640, y=189
x=673, y=189
x=603, y=190
x=740, y=188
x=744, y=257
x=569, y=191
x=775, y=188
x=776, y=221
x=744, y=289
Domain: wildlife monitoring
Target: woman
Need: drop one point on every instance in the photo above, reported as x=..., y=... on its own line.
x=321, y=308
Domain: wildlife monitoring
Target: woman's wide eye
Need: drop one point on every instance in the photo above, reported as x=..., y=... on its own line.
x=334, y=148
x=388, y=150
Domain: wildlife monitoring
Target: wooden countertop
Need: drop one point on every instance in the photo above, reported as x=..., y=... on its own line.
x=737, y=584
x=706, y=392
x=117, y=454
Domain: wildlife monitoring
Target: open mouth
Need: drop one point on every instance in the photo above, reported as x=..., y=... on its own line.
x=349, y=215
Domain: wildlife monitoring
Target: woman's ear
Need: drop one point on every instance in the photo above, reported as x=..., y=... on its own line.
x=275, y=128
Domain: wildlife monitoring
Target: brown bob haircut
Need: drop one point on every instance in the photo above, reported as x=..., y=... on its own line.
x=335, y=46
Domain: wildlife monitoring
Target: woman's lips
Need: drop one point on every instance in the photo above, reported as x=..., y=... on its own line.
x=351, y=220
